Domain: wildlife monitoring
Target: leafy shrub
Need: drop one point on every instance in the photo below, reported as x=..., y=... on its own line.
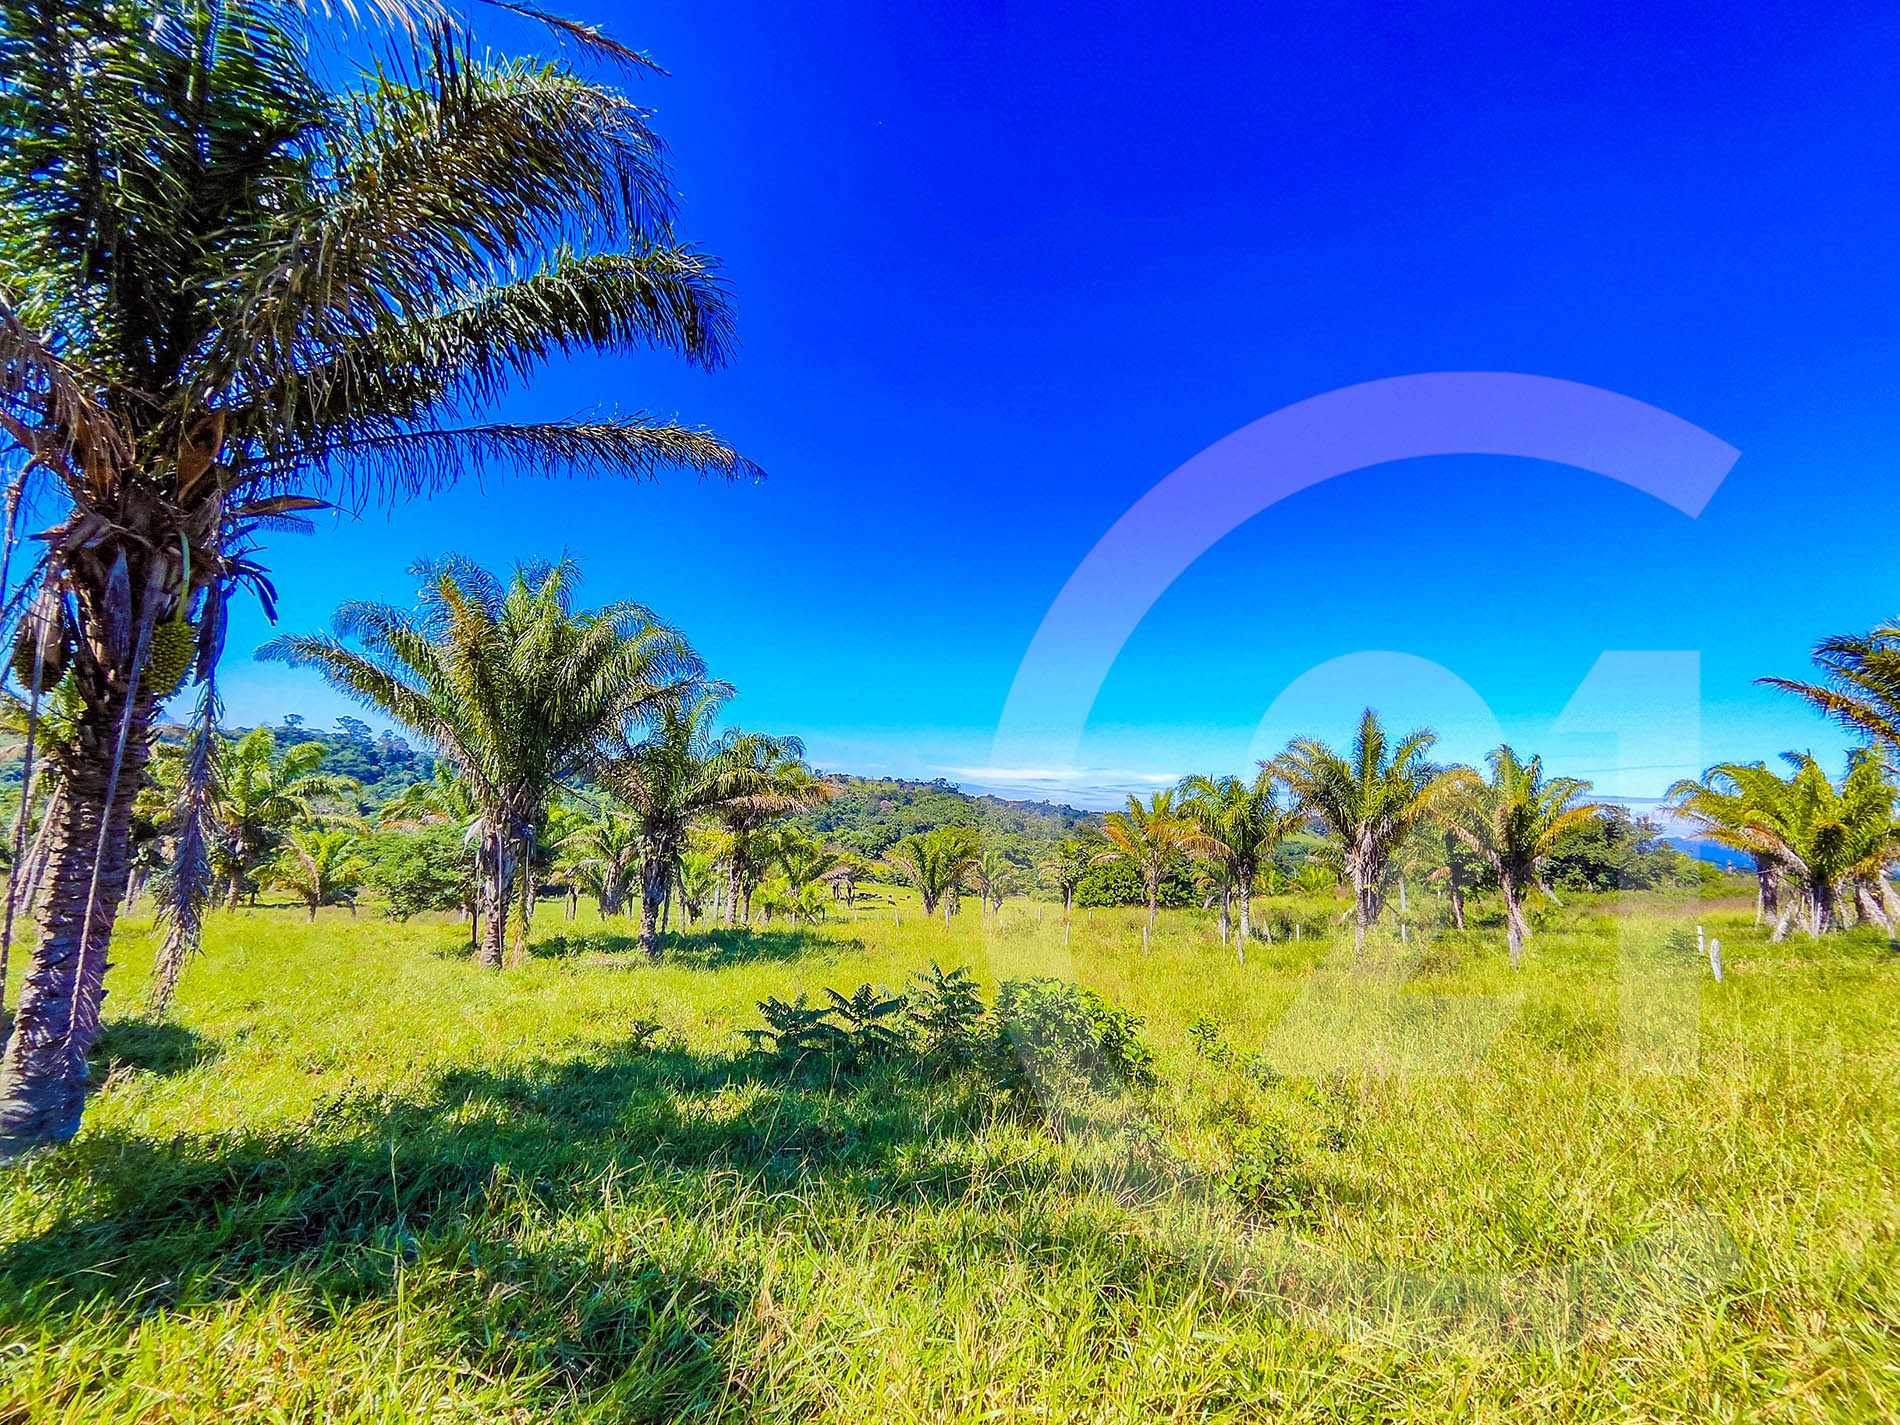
x=945, y=1015
x=1061, y=1042
x=868, y=1028
x=1263, y=1174
x=1043, y=1037
x=792, y=1031
x=1205, y=1039
x=420, y=871
x=850, y=1032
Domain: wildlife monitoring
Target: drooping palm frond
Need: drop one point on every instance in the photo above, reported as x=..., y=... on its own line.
x=1860, y=687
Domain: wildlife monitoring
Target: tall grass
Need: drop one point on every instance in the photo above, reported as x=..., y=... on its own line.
x=357, y=1179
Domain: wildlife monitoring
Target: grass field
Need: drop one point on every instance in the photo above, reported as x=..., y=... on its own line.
x=356, y=1180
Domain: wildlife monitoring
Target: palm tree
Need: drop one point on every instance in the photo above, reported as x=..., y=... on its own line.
x=229, y=293
x=935, y=864
x=1368, y=797
x=803, y=858
x=779, y=784
x=1819, y=838
x=1722, y=807
x=1152, y=839
x=994, y=876
x=1242, y=825
x=696, y=877
x=679, y=773
x=1860, y=684
x=259, y=795
x=446, y=799
x=604, y=854
x=319, y=867
x=1064, y=867
x=513, y=686
x=1515, y=821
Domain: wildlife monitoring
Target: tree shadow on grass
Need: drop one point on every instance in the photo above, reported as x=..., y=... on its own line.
x=709, y=949
x=157, y=1047
x=468, y=1195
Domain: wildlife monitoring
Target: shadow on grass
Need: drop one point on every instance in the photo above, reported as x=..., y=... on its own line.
x=701, y=949
x=470, y=1179
x=155, y=1047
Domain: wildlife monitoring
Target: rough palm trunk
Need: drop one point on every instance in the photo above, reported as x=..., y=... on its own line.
x=732, y=891
x=1515, y=926
x=1821, y=914
x=1767, y=892
x=492, y=911
x=652, y=892
x=1148, y=927
x=1226, y=912
x=1246, y=912
x=1366, y=903
x=43, y=1077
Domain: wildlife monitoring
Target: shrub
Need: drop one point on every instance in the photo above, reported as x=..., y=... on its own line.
x=1061, y=1043
x=1263, y=1174
x=420, y=871
x=945, y=1016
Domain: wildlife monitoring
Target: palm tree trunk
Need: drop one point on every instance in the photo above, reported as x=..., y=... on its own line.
x=1365, y=906
x=1226, y=912
x=1515, y=928
x=492, y=913
x=1767, y=892
x=732, y=891
x=652, y=893
x=1148, y=927
x=1246, y=914
x=43, y=1076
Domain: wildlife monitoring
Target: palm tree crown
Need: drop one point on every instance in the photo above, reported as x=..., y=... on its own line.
x=1369, y=797
x=509, y=683
x=1515, y=821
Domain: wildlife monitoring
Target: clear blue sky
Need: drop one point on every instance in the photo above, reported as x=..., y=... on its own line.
x=1000, y=270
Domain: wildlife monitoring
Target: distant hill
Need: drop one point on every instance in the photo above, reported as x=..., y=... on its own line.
x=871, y=814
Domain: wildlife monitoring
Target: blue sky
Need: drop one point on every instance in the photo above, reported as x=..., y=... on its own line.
x=1000, y=270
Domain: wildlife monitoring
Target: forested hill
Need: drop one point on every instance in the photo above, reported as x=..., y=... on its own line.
x=871, y=814
x=383, y=762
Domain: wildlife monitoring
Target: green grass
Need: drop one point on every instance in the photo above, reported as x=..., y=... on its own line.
x=355, y=1179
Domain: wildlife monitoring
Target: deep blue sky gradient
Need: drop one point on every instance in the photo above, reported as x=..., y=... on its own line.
x=1000, y=269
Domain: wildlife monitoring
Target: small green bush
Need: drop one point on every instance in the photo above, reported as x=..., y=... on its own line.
x=1263, y=1174
x=1062, y=1043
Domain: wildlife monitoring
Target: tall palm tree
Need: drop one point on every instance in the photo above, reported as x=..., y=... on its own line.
x=319, y=867
x=780, y=783
x=1515, y=820
x=1243, y=824
x=512, y=685
x=231, y=292
x=1152, y=839
x=679, y=773
x=1821, y=839
x=1063, y=868
x=935, y=863
x=993, y=876
x=1860, y=684
x=259, y=795
x=1369, y=798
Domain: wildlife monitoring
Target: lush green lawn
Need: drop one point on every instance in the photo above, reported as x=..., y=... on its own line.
x=358, y=1180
